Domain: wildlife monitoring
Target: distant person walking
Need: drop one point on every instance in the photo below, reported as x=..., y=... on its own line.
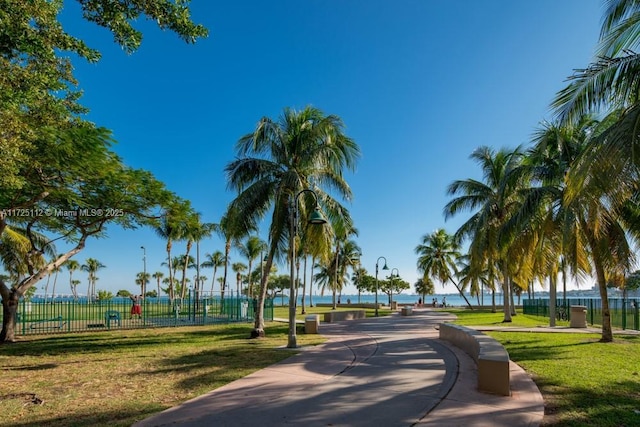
x=136, y=307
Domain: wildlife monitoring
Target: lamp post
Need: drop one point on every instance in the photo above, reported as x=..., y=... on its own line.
x=391, y=288
x=144, y=270
x=315, y=218
x=384, y=268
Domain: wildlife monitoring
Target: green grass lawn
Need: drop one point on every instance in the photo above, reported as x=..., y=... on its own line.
x=116, y=378
x=584, y=382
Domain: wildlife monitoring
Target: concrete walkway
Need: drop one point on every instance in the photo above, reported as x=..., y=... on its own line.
x=387, y=371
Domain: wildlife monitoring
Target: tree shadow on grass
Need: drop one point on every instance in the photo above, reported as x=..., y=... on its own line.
x=619, y=405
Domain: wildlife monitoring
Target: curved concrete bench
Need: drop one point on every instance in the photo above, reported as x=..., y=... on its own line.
x=491, y=357
x=336, y=316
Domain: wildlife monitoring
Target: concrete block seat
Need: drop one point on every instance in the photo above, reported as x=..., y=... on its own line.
x=336, y=316
x=491, y=358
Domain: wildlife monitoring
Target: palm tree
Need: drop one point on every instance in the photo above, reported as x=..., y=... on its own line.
x=238, y=268
x=158, y=275
x=252, y=248
x=194, y=231
x=171, y=228
x=302, y=150
x=494, y=201
x=546, y=220
x=74, y=288
x=72, y=265
x=142, y=279
x=232, y=228
x=438, y=255
x=56, y=270
x=92, y=266
x=424, y=287
x=214, y=260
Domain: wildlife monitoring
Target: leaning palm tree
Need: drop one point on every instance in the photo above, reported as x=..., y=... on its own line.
x=438, y=256
x=302, y=150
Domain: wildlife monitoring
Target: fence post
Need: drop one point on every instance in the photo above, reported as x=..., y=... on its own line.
x=624, y=314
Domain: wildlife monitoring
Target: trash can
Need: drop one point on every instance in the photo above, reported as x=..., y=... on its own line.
x=312, y=324
x=578, y=316
x=394, y=305
x=407, y=310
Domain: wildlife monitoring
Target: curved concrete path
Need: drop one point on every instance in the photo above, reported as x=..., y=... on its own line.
x=387, y=371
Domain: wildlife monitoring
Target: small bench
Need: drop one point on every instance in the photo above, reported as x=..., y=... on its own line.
x=491, y=358
x=336, y=316
x=52, y=323
x=111, y=316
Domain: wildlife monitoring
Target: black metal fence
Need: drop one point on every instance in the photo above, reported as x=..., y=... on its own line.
x=68, y=315
x=625, y=313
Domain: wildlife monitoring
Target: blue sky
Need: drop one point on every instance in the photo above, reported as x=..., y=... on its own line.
x=419, y=85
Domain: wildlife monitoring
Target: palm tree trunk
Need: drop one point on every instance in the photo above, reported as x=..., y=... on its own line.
x=460, y=292
x=223, y=285
x=258, y=327
x=184, y=270
x=53, y=290
x=171, y=292
x=493, y=300
x=304, y=284
x=552, y=300
x=313, y=262
x=607, y=333
x=505, y=295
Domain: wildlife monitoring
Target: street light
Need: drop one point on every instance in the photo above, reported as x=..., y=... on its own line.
x=144, y=270
x=391, y=288
x=316, y=218
x=384, y=268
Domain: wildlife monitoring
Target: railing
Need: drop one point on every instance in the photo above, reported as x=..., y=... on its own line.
x=625, y=313
x=55, y=316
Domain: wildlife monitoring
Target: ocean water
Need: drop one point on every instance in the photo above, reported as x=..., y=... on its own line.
x=454, y=300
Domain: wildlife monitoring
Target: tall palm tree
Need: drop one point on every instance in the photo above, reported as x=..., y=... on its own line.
x=494, y=202
x=232, y=229
x=215, y=261
x=238, y=268
x=251, y=249
x=74, y=288
x=438, y=255
x=142, y=279
x=92, y=266
x=302, y=150
x=72, y=266
x=55, y=270
x=158, y=275
x=171, y=228
x=194, y=230
x=545, y=219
